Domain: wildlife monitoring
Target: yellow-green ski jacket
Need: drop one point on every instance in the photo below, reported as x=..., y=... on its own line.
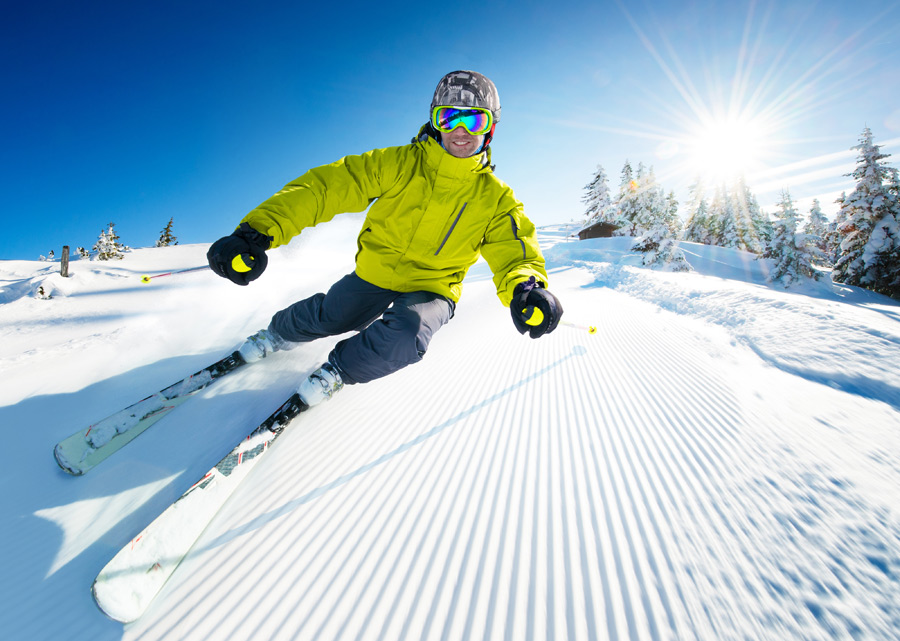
x=432, y=215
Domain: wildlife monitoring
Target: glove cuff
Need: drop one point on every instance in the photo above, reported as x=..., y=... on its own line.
x=257, y=240
x=525, y=287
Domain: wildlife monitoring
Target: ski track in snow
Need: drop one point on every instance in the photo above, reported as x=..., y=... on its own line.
x=670, y=477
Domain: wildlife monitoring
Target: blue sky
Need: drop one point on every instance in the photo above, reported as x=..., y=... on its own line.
x=138, y=112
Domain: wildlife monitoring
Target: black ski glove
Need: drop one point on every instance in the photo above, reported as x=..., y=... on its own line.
x=240, y=257
x=528, y=296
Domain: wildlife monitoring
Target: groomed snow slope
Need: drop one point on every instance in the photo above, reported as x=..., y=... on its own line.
x=721, y=460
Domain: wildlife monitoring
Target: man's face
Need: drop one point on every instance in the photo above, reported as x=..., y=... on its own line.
x=461, y=143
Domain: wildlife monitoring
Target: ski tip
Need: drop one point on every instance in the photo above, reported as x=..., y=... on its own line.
x=64, y=464
x=114, y=609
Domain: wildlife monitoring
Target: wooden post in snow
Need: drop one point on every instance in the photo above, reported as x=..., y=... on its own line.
x=64, y=267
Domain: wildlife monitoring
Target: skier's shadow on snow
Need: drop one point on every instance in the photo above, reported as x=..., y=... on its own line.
x=263, y=519
x=52, y=550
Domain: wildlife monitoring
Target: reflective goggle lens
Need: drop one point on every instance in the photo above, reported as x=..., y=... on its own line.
x=475, y=121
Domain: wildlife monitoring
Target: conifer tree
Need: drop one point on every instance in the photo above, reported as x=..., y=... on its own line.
x=791, y=252
x=888, y=262
x=764, y=231
x=673, y=222
x=108, y=246
x=870, y=245
x=600, y=208
x=715, y=218
x=655, y=221
x=750, y=221
x=643, y=205
x=833, y=236
x=696, y=227
x=166, y=237
x=729, y=233
x=817, y=229
x=659, y=248
x=626, y=201
x=732, y=219
x=651, y=201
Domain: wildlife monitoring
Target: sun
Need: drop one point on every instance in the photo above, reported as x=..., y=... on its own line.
x=721, y=150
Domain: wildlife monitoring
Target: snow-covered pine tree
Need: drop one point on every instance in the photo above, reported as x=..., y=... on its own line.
x=696, y=228
x=645, y=204
x=626, y=201
x=791, y=252
x=657, y=224
x=888, y=262
x=83, y=253
x=833, y=236
x=749, y=219
x=673, y=221
x=729, y=232
x=645, y=212
x=660, y=249
x=166, y=237
x=817, y=229
x=600, y=208
x=654, y=205
x=762, y=227
x=869, y=247
x=108, y=246
x=715, y=217
x=885, y=265
x=884, y=243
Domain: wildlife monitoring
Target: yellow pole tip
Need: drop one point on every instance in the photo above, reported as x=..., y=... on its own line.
x=145, y=279
x=592, y=330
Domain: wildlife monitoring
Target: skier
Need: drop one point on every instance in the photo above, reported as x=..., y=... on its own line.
x=437, y=206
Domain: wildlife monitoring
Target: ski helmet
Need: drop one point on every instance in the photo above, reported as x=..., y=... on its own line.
x=466, y=89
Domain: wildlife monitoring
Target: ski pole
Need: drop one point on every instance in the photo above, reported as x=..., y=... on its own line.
x=534, y=317
x=146, y=279
x=590, y=329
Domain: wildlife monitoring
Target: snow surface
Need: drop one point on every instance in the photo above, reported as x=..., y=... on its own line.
x=721, y=460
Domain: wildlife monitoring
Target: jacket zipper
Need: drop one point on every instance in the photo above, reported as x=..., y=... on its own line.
x=452, y=227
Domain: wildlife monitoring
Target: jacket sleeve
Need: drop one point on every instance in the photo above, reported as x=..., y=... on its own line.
x=511, y=249
x=348, y=185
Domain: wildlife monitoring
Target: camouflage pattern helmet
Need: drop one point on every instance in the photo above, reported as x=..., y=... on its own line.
x=466, y=89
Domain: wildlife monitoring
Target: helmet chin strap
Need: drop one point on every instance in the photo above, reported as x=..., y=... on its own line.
x=488, y=137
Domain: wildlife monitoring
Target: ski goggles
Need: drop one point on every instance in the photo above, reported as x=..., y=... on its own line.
x=473, y=119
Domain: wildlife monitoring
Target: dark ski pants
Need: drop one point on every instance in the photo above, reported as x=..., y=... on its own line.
x=394, y=328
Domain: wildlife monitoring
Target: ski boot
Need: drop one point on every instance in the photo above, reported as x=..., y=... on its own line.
x=320, y=385
x=260, y=345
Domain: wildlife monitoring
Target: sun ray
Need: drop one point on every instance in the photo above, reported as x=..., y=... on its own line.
x=682, y=85
x=738, y=128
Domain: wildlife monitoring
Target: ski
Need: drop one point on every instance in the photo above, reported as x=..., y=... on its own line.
x=86, y=448
x=131, y=580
